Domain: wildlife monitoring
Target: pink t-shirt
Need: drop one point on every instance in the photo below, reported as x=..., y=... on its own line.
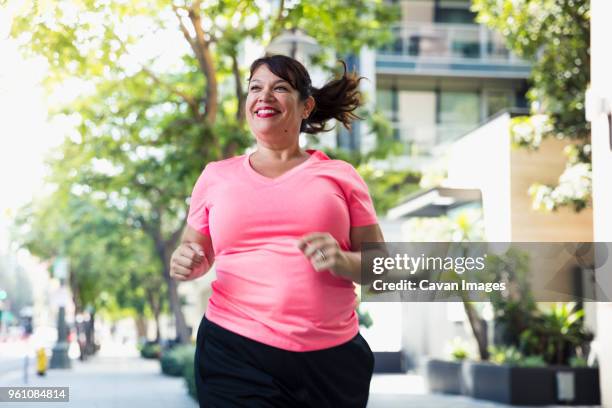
x=266, y=289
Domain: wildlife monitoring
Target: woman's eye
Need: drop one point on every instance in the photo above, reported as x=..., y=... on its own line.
x=282, y=88
x=254, y=88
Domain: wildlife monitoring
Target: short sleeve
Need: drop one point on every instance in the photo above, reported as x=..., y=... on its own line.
x=199, y=204
x=358, y=198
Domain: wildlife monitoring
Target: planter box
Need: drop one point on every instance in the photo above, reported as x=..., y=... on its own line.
x=443, y=376
x=531, y=385
x=388, y=362
x=508, y=384
x=586, y=389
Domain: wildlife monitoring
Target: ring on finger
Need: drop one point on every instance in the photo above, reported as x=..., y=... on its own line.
x=321, y=253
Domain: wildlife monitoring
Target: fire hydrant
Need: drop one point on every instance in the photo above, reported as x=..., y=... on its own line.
x=41, y=362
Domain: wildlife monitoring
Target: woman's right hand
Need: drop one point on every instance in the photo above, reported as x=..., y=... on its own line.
x=188, y=262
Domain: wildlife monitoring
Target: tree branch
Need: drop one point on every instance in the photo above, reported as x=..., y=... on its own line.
x=183, y=27
x=240, y=113
x=192, y=102
x=278, y=24
x=206, y=62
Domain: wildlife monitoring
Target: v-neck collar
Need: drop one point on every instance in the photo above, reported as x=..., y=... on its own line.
x=314, y=154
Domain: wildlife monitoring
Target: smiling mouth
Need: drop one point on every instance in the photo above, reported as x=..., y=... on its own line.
x=265, y=113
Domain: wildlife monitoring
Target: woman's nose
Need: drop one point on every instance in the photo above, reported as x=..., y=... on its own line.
x=265, y=94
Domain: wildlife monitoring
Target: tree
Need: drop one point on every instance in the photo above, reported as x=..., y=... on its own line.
x=112, y=266
x=555, y=35
x=148, y=125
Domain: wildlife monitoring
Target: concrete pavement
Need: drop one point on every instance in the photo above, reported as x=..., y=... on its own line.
x=118, y=377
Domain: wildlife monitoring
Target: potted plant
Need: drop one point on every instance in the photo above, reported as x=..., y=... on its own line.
x=444, y=376
x=539, y=357
x=547, y=366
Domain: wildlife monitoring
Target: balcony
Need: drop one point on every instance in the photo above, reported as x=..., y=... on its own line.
x=436, y=49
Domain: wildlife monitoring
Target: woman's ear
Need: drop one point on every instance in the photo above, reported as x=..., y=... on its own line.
x=309, y=106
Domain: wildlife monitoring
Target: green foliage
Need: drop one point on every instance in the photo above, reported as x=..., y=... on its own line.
x=555, y=36
x=385, y=143
x=512, y=356
x=151, y=350
x=459, y=355
x=174, y=360
x=389, y=187
x=504, y=355
x=514, y=308
x=557, y=334
x=344, y=25
x=578, y=362
x=365, y=320
x=532, y=361
x=459, y=350
x=112, y=266
x=189, y=375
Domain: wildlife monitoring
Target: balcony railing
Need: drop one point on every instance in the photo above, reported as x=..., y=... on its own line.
x=431, y=46
x=447, y=41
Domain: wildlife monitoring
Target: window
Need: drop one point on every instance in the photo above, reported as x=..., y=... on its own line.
x=454, y=12
x=498, y=100
x=458, y=113
x=459, y=107
x=384, y=102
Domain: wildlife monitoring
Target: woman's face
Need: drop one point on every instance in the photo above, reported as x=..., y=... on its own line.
x=273, y=107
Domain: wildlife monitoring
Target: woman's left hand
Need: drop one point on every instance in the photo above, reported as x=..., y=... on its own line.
x=323, y=251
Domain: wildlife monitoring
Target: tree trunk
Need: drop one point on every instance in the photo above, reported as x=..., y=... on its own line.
x=164, y=249
x=141, y=327
x=155, y=304
x=78, y=310
x=182, y=333
x=90, y=335
x=240, y=95
x=478, y=329
x=157, y=328
x=201, y=48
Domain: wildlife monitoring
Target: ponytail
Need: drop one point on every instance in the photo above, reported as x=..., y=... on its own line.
x=338, y=99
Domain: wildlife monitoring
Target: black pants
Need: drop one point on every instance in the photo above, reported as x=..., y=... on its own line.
x=234, y=371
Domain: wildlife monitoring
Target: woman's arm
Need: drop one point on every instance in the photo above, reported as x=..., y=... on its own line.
x=342, y=263
x=349, y=264
x=193, y=257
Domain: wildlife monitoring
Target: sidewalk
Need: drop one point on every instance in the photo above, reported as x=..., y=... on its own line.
x=110, y=381
x=117, y=380
x=408, y=390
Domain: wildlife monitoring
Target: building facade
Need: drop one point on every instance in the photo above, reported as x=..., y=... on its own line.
x=441, y=77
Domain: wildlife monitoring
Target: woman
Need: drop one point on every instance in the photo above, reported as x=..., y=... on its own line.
x=284, y=227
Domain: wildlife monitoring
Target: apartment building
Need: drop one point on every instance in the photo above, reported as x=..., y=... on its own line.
x=441, y=77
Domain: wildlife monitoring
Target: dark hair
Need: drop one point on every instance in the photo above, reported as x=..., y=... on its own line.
x=337, y=99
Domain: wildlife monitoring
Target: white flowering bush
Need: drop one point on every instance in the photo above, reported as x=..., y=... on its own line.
x=574, y=189
x=528, y=131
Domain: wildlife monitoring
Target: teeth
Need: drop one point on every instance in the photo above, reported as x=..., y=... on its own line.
x=265, y=111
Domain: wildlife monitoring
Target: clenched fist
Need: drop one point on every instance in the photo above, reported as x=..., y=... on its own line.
x=188, y=262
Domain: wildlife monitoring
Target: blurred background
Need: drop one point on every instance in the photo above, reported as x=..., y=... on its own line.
x=476, y=128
